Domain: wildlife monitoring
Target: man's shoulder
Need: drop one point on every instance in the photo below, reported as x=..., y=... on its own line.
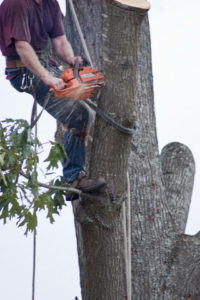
x=13, y=3
x=11, y=8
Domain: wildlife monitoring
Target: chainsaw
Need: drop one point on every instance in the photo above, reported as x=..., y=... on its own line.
x=81, y=82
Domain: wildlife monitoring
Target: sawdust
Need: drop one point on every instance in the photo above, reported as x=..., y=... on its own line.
x=80, y=91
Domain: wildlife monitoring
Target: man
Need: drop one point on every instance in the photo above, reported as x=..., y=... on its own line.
x=25, y=27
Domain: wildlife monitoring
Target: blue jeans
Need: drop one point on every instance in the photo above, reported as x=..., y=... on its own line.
x=76, y=117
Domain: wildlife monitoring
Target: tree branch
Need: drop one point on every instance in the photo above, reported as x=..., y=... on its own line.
x=178, y=168
x=62, y=188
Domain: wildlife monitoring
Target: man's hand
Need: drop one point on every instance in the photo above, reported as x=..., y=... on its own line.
x=53, y=82
x=71, y=60
x=58, y=83
x=64, y=50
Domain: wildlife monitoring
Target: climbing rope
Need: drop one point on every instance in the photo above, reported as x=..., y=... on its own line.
x=34, y=264
x=34, y=119
x=34, y=123
x=80, y=32
x=126, y=210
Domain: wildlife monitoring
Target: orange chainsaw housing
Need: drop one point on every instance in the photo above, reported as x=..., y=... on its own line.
x=82, y=86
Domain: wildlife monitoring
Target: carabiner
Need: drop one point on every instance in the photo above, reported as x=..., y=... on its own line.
x=24, y=82
x=30, y=80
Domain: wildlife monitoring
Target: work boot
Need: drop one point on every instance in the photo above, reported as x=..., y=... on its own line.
x=89, y=185
x=86, y=185
x=135, y=4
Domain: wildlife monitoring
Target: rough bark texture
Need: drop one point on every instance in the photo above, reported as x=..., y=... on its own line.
x=151, y=218
x=178, y=176
x=184, y=279
x=152, y=226
x=111, y=35
x=160, y=193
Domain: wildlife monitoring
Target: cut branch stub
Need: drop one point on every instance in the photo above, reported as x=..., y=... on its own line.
x=137, y=5
x=178, y=173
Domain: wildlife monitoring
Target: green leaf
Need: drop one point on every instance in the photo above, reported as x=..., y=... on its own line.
x=20, y=194
x=56, y=155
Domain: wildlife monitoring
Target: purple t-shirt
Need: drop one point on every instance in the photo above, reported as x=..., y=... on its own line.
x=26, y=20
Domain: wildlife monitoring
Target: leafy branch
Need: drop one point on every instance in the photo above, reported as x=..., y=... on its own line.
x=21, y=194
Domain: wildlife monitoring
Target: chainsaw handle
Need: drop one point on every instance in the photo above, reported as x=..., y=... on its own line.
x=76, y=70
x=85, y=62
x=53, y=91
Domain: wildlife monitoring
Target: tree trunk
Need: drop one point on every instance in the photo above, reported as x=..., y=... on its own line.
x=160, y=194
x=111, y=36
x=151, y=218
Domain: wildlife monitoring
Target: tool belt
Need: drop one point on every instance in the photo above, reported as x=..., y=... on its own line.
x=12, y=64
x=15, y=62
x=15, y=66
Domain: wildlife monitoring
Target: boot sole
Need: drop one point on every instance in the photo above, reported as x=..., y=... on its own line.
x=92, y=188
x=87, y=189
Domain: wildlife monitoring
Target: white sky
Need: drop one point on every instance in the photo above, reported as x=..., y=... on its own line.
x=176, y=64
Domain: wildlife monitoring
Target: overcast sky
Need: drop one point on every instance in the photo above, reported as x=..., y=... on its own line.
x=176, y=64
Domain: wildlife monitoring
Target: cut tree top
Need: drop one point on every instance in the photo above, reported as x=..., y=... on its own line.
x=133, y=4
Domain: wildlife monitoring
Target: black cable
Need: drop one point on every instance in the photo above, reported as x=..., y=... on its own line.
x=112, y=122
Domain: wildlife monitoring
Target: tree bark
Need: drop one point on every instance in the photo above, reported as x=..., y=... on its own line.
x=111, y=36
x=184, y=280
x=151, y=223
x=131, y=232
x=161, y=189
x=178, y=169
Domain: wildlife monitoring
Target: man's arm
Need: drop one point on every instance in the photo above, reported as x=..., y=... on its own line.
x=64, y=51
x=31, y=61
